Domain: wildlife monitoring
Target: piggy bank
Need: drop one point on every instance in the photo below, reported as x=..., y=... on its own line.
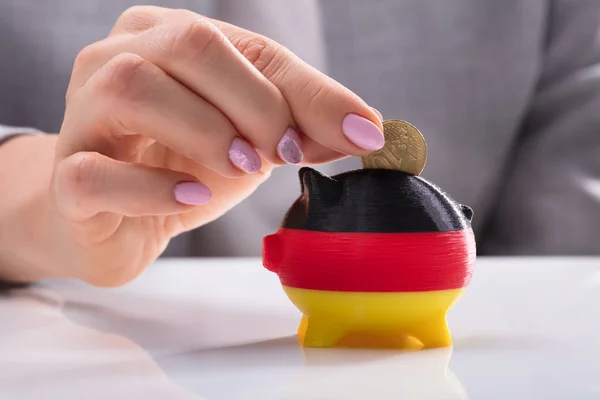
x=372, y=258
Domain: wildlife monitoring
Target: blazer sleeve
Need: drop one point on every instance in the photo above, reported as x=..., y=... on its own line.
x=550, y=201
x=8, y=132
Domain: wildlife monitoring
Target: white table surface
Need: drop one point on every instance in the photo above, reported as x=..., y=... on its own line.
x=527, y=328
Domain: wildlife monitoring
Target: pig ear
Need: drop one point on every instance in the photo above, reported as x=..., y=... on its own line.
x=318, y=186
x=467, y=211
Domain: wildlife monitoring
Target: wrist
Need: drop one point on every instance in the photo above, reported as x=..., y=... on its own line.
x=28, y=242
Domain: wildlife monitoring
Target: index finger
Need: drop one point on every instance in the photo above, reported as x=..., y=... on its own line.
x=326, y=111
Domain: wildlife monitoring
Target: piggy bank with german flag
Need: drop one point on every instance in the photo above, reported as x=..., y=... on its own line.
x=372, y=258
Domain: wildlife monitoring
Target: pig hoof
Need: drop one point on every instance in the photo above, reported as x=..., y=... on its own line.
x=317, y=333
x=433, y=333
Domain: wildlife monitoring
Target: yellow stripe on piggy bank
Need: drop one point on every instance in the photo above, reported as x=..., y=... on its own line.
x=371, y=319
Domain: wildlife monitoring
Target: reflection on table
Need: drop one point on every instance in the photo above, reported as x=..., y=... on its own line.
x=224, y=329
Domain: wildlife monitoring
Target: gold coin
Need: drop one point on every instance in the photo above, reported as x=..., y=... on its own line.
x=404, y=150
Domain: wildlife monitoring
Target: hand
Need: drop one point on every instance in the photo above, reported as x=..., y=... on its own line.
x=175, y=118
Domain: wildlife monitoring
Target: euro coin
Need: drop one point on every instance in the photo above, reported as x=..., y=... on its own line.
x=404, y=149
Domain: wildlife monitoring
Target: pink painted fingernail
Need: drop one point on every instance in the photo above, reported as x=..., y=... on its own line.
x=192, y=193
x=289, y=147
x=243, y=156
x=362, y=132
x=378, y=114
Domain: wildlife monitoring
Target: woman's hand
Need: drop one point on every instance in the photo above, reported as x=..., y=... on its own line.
x=171, y=121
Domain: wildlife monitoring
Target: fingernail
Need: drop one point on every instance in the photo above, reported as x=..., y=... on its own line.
x=362, y=132
x=192, y=193
x=243, y=156
x=289, y=149
x=378, y=114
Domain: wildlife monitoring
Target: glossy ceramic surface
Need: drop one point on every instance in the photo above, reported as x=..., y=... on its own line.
x=527, y=328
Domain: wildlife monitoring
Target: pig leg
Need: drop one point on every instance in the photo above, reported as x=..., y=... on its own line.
x=315, y=332
x=433, y=332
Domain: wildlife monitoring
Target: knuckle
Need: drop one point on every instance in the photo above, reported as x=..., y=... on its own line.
x=84, y=59
x=267, y=56
x=193, y=40
x=317, y=95
x=82, y=175
x=122, y=76
x=182, y=14
x=137, y=18
x=132, y=13
x=87, y=56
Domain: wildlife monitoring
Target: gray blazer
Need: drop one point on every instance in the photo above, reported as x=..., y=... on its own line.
x=507, y=94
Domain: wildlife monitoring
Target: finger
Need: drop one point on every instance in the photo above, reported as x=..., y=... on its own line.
x=326, y=111
x=315, y=153
x=129, y=97
x=198, y=55
x=89, y=183
x=262, y=87
x=323, y=109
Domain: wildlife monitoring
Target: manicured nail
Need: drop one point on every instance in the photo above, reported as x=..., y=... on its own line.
x=362, y=132
x=192, y=193
x=243, y=156
x=378, y=114
x=289, y=147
